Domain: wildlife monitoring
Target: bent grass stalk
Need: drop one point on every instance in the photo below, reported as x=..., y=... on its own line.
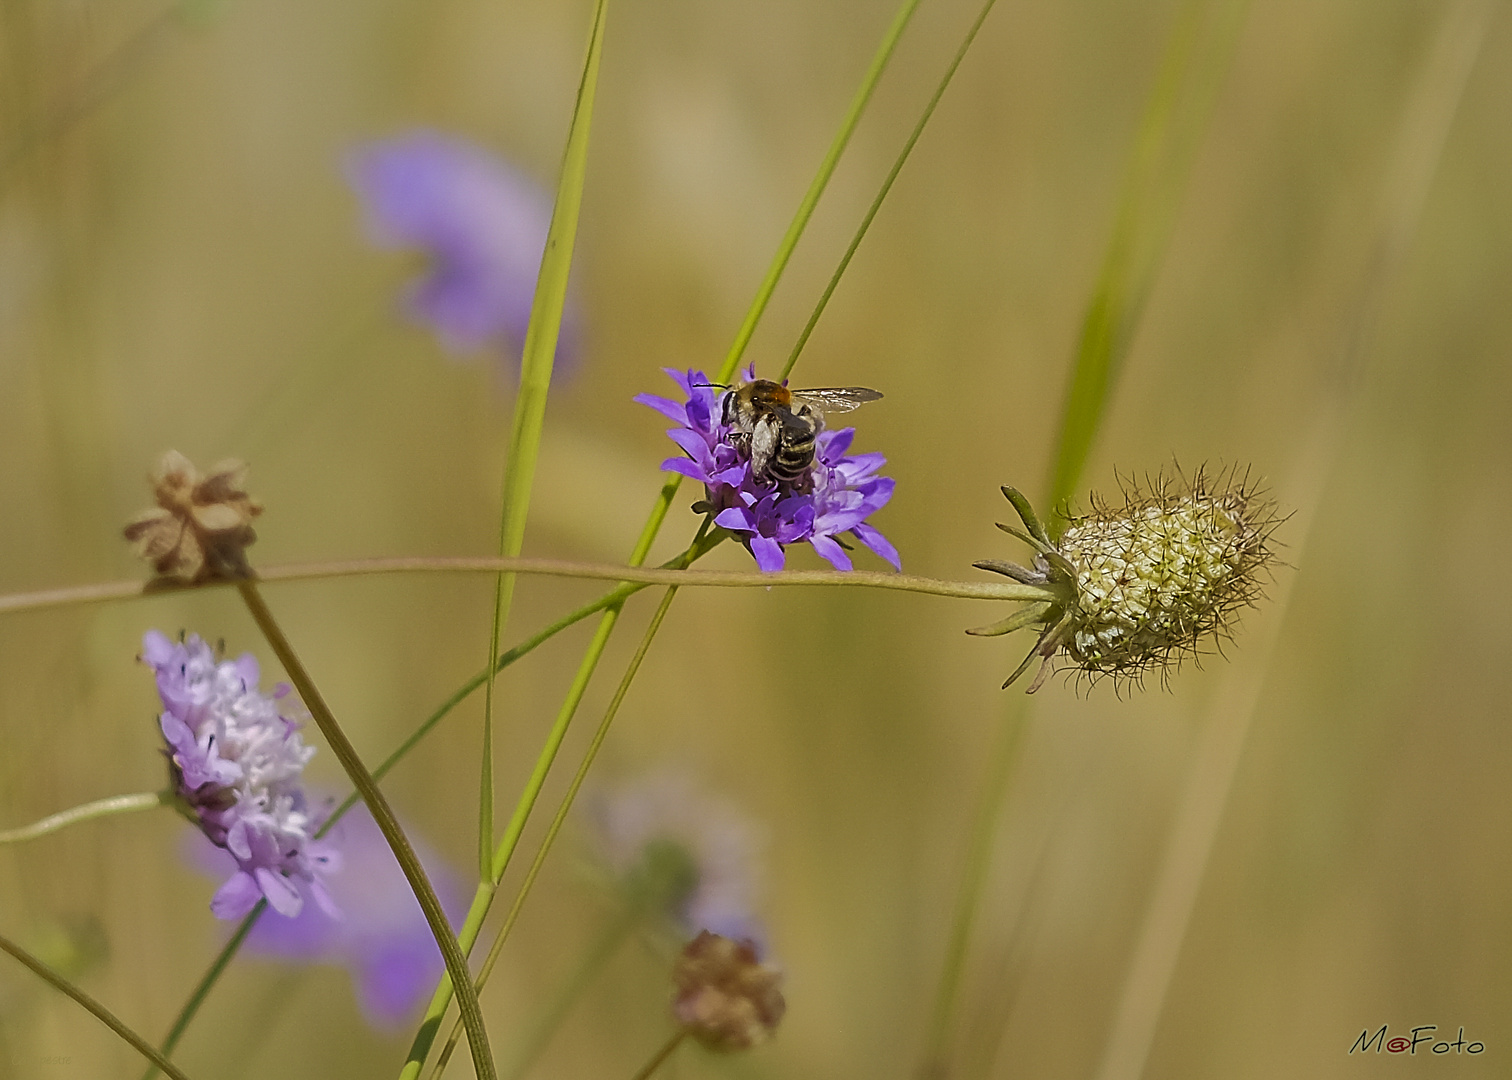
x=100, y=1012
x=383, y=815
x=660, y=1056
x=115, y=804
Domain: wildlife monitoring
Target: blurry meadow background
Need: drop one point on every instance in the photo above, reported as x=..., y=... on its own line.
x=183, y=264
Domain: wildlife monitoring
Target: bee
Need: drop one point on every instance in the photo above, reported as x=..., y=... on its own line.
x=778, y=428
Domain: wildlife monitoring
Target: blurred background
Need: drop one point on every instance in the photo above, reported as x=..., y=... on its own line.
x=183, y=264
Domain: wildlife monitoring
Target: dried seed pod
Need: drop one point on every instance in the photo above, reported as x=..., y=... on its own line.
x=201, y=526
x=725, y=997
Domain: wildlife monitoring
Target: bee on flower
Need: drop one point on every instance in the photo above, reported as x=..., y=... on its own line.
x=772, y=474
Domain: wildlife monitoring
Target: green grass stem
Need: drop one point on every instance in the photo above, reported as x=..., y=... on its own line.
x=882, y=192
x=1196, y=60
x=497, y=947
x=536, y=361
x=115, y=804
x=100, y=1012
x=383, y=816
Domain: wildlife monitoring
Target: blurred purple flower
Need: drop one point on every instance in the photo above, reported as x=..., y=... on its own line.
x=690, y=856
x=235, y=760
x=482, y=222
x=766, y=514
x=380, y=936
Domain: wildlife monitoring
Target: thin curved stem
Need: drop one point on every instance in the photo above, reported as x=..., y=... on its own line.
x=388, y=824
x=115, y=804
x=228, y=951
x=633, y=575
x=661, y=1055
x=101, y=1013
x=561, y=815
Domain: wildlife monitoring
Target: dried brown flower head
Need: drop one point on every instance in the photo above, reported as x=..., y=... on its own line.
x=725, y=997
x=201, y=525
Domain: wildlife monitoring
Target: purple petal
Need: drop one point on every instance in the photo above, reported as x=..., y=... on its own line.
x=691, y=469
x=768, y=554
x=236, y=897
x=831, y=551
x=672, y=410
x=736, y=519
x=878, y=543
x=157, y=650
x=837, y=444
x=695, y=445
x=283, y=895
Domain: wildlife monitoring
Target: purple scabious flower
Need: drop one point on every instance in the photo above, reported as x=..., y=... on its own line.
x=844, y=489
x=483, y=223
x=381, y=936
x=235, y=759
x=684, y=854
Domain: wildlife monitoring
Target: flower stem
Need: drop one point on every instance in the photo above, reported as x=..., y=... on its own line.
x=634, y=578
x=660, y=1056
x=101, y=1013
x=599, y=953
x=202, y=990
x=228, y=951
x=536, y=362
x=816, y=189
x=887, y=183
x=383, y=815
x=561, y=815
x=968, y=899
x=483, y=896
x=115, y=804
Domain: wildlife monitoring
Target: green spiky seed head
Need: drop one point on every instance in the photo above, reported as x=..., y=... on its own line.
x=1141, y=586
x=1164, y=572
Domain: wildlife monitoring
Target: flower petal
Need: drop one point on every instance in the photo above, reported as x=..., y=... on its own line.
x=831, y=551
x=236, y=897
x=878, y=543
x=768, y=554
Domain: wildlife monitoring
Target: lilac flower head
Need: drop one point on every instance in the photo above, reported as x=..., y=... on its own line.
x=482, y=222
x=689, y=855
x=841, y=491
x=235, y=759
x=381, y=936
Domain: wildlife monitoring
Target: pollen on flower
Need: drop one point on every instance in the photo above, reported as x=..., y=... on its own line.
x=723, y=995
x=1144, y=585
x=201, y=525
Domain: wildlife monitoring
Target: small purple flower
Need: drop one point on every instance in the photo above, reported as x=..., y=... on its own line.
x=483, y=223
x=690, y=855
x=235, y=760
x=381, y=935
x=768, y=515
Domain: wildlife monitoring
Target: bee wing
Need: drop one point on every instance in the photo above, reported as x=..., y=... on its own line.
x=836, y=398
x=765, y=437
